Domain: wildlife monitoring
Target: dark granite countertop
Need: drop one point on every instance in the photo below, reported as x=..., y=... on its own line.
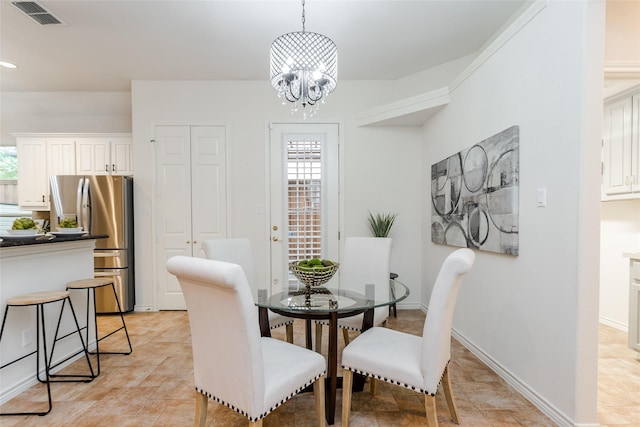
x=44, y=239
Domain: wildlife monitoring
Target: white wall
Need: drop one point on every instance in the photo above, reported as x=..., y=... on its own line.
x=380, y=165
x=534, y=317
x=619, y=232
x=64, y=112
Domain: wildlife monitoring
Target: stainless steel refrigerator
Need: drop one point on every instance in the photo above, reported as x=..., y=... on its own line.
x=102, y=205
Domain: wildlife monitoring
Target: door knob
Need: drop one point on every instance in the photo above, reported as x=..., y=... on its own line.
x=274, y=238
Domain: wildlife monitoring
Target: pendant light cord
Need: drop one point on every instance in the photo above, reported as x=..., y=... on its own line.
x=303, y=16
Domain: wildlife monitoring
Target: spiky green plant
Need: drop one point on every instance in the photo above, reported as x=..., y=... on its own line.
x=380, y=224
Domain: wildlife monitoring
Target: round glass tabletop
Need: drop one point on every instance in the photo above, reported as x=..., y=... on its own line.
x=300, y=298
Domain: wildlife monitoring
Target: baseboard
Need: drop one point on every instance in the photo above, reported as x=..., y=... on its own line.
x=410, y=306
x=536, y=400
x=29, y=382
x=614, y=324
x=545, y=407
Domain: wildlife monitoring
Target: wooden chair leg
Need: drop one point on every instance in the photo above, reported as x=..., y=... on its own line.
x=373, y=386
x=347, y=384
x=289, y=332
x=319, y=337
x=318, y=391
x=430, y=406
x=201, y=410
x=448, y=394
x=345, y=334
x=256, y=423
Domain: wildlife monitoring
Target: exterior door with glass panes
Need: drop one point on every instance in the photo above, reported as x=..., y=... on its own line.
x=304, y=197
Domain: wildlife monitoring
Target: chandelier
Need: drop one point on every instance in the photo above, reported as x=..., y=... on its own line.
x=304, y=68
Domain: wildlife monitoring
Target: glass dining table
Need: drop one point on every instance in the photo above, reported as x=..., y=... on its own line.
x=328, y=304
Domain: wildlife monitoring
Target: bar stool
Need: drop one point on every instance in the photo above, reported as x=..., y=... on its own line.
x=39, y=299
x=90, y=285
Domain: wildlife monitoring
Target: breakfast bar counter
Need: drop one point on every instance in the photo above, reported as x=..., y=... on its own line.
x=33, y=265
x=6, y=242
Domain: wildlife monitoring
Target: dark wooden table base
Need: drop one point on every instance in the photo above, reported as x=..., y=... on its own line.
x=333, y=382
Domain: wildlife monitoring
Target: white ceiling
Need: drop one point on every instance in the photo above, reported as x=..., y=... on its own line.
x=104, y=44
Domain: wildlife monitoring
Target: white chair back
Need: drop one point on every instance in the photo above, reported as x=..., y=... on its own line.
x=366, y=262
x=225, y=336
x=436, y=335
x=233, y=250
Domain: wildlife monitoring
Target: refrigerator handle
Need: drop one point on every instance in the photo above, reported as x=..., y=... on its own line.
x=79, y=202
x=86, y=206
x=56, y=202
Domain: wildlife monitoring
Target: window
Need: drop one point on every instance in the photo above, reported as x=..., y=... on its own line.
x=304, y=188
x=9, y=188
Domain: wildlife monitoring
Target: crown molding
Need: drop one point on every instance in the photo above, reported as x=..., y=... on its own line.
x=413, y=111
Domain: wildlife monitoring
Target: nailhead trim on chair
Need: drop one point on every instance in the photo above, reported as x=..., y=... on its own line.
x=392, y=381
x=277, y=325
x=351, y=328
x=261, y=416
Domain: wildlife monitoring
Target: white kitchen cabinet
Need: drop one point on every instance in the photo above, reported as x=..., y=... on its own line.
x=38, y=158
x=33, y=188
x=61, y=156
x=104, y=156
x=621, y=147
x=42, y=155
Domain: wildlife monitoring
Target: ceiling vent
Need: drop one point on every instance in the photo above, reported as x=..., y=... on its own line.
x=37, y=12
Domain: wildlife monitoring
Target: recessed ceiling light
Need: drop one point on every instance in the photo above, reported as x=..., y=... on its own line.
x=7, y=65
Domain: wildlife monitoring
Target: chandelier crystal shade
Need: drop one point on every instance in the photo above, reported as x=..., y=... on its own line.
x=304, y=68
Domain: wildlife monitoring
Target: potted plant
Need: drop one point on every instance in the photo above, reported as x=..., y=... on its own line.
x=380, y=224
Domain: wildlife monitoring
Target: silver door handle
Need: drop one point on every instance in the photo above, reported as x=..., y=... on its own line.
x=111, y=273
x=113, y=254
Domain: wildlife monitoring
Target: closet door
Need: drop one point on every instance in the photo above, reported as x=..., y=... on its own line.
x=208, y=185
x=189, y=198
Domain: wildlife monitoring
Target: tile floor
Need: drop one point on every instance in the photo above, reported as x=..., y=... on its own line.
x=153, y=387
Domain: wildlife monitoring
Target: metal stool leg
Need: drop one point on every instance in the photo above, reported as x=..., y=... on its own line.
x=39, y=323
x=124, y=326
x=78, y=377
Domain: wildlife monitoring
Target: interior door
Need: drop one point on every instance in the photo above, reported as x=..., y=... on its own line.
x=189, y=199
x=304, y=194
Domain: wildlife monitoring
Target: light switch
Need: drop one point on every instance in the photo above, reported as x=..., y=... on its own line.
x=541, y=200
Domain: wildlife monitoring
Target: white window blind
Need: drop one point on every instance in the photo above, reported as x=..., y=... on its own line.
x=304, y=181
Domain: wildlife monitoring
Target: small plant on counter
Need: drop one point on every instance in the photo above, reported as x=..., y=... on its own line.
x=24, y=224
x=68, y=223
x=380, y=224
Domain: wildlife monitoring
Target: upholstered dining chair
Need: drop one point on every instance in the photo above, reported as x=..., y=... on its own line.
x=238, y=251
x=365, y=262
x=232, y=363
x=417, y=363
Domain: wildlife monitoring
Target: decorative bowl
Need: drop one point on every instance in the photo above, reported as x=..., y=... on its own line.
x=313, y=276
x=29, y=232
x=69, y=229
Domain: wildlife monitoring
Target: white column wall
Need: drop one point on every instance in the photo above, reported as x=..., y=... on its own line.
x=535, y=316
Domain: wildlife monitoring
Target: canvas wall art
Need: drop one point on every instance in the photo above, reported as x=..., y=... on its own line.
x=474, y=195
